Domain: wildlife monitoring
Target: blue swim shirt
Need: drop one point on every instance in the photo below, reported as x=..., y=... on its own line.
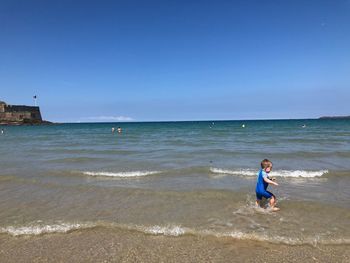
x=261, y=185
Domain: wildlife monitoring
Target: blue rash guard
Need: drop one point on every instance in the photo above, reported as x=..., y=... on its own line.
x=261, y=186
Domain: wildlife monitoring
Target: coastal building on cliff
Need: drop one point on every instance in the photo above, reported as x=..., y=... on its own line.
x=19, y=114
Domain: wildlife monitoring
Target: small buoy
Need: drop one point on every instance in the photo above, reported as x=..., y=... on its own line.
x=243, y=125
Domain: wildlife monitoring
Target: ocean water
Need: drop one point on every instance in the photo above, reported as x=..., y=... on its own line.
x=177, y=179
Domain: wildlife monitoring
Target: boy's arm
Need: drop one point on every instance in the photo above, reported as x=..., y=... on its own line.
x=267, y=180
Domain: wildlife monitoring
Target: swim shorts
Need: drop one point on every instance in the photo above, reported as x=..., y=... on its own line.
x=265, y=194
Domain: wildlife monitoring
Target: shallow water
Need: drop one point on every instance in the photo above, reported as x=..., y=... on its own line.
x=177, y=179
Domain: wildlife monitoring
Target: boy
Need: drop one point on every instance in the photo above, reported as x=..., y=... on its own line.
x=262, y=183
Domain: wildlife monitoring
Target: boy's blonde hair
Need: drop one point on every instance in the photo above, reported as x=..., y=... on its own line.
x=265, y=163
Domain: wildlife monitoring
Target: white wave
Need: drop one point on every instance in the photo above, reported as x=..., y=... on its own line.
x=122, y=174
x=247, y=172
x=298, y=173
x=277, y=173
x=166, y=230
x=261, y=237
x=42, y=229
x=314, y=241
x=174, y=230
x=180, y=231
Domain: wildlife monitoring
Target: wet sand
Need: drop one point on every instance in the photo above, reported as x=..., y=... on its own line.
x=118, y=245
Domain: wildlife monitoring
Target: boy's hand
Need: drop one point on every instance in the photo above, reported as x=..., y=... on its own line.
x=270, y=181
x=273, y=179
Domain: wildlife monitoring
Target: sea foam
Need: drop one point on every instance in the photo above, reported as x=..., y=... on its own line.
x=260, y=237
x=121, y=174
x=277, y=173
x=42, y=229
x=174, y=230
x=247, y=172
x=165, y=230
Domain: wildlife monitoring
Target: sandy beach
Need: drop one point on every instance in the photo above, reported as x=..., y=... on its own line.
x=107, y=245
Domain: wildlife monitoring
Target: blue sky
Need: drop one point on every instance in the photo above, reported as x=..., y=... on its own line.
x=176, y=60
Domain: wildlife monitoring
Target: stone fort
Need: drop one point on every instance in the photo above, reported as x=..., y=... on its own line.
x=17, y=114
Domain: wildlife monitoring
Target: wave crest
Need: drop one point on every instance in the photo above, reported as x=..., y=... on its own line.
x=247, y=172
x=165, y=230
x=174, y=230
x=180, y=231
x=121, y=174
x=43, y=229
x=277, y=173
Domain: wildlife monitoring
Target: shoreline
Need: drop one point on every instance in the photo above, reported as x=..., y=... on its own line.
x=117, y=245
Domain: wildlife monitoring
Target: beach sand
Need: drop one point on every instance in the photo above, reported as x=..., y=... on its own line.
x=118, y=245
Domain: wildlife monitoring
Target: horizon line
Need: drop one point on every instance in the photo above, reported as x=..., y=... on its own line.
x=202, y=120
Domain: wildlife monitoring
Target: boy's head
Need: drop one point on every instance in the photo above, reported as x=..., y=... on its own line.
x=266, y=165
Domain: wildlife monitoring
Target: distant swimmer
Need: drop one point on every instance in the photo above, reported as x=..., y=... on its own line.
x=2, y=131
x=304, y=126
x=113, y=129
x=119, y=130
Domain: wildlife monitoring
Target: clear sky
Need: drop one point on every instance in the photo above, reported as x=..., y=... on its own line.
x=176, y=60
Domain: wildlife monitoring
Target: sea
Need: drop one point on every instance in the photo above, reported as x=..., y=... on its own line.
x=177, y=179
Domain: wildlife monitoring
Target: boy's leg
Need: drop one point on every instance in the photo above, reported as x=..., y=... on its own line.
x=258, y=199
x=273, y=202
x=272, y=199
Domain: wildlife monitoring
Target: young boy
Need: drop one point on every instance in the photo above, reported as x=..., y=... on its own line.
x=262, y=183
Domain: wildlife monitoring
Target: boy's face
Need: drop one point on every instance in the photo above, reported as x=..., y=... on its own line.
x=268, y=169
